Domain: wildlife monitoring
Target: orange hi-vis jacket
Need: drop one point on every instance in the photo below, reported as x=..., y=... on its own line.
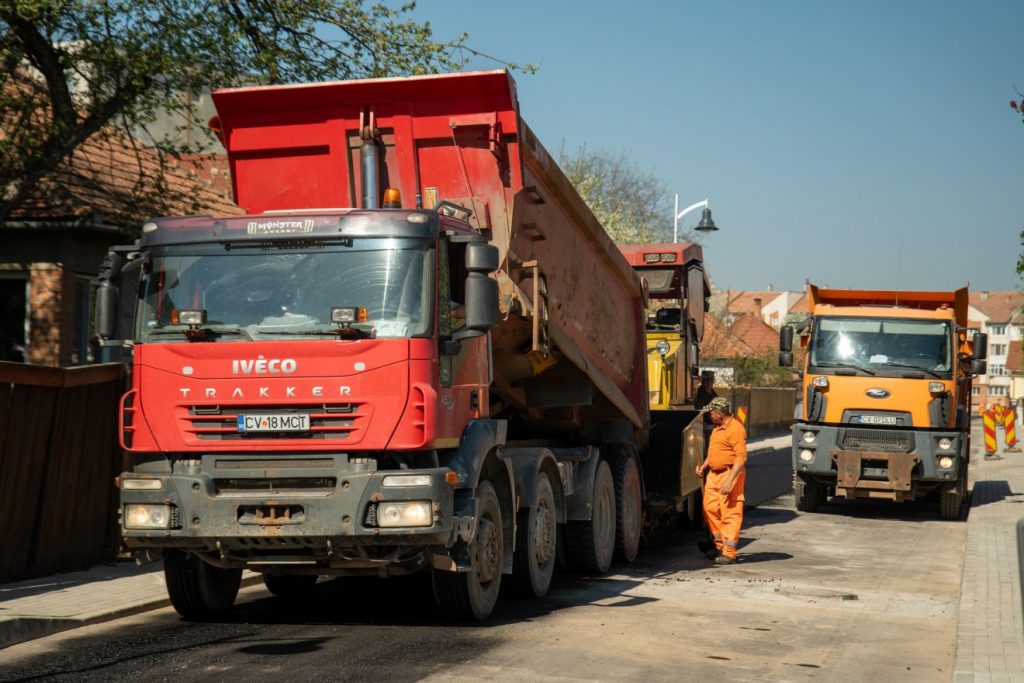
x=728, y=446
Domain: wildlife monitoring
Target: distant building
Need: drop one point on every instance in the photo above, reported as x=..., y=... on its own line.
x=998, y=314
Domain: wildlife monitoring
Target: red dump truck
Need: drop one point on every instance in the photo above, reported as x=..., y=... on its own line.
x=416, y=351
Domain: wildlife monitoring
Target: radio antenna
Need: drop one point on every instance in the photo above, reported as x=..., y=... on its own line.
x=899, y=267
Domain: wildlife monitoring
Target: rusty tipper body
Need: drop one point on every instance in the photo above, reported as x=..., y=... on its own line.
x=886, y=389
x=417, y=351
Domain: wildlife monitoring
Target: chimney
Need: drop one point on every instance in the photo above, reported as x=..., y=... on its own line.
x=757, y=302
x=771, y=288
x=984, y=296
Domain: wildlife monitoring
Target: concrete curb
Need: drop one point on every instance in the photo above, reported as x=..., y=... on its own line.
x=20, y=629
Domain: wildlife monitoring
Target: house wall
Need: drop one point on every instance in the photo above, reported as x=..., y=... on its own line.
x=54, y=260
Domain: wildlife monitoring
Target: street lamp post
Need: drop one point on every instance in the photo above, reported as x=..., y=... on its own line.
x=705, y=225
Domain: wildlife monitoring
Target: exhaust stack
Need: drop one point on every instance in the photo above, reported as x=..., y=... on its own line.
x=369, y=159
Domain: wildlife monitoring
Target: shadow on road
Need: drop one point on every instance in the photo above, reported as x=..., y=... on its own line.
x=991, y=491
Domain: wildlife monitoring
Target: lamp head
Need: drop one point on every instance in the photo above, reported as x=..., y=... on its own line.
x=706, y=224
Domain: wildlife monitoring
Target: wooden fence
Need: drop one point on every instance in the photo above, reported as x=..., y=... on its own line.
x=58, y=458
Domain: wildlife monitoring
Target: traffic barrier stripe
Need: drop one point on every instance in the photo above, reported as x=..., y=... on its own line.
x=989, y=422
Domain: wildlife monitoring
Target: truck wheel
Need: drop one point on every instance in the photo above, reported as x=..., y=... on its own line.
x=198, y=590
x=536, y=543
x=809, y=494
x=951, y=499
x=629, y=510
x=472, y=594
x=590, y=545
x=290, y=585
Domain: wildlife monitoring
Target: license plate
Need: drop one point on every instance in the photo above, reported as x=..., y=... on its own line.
x=878, y=419
x=268, y=422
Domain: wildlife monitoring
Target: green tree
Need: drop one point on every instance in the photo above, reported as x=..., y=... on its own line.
x=631, y=204
x=76, y=69
x=762, y=371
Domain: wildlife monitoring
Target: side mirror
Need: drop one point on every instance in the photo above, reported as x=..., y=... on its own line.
x=786, y=341
x=107, y=295
x=481, y=291
x=106, y=310
x=980, y=346
x=979, y=367
x=786, y=359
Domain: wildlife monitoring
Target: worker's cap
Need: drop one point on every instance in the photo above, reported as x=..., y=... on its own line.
x=720, y=404
x=707, y=374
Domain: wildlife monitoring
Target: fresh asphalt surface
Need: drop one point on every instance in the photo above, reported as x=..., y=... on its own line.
x=863, y=590
x=351, y=629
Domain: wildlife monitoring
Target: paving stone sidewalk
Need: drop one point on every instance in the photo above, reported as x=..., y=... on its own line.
x=990, y=628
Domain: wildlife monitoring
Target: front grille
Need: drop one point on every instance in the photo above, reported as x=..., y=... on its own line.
x=220, y=423
x=274, y=486
x=880, y=440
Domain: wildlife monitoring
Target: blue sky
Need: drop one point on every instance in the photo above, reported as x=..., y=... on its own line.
x=856, y=144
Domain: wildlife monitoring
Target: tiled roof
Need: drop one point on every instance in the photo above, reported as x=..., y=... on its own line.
x=1000, y=307
x=100, y=181
x=746, y=302
x=801, y=305
x=1013, y=358
x=719, y=342
x=755, y=333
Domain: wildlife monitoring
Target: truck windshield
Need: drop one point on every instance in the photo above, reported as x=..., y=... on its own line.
x=277, y=291
x=882, y=346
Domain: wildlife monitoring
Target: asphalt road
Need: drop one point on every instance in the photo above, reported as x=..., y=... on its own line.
x=847, y=594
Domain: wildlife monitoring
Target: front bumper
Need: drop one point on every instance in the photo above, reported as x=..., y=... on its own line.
x=244, y=510
x=884, y=463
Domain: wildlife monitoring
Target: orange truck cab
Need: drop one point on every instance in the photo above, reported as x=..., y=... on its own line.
x=886, y=393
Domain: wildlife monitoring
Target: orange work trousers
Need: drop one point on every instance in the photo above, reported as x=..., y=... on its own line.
x=724, y=514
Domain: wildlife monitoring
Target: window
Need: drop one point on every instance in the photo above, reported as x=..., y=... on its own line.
x=997, y=391
x=975, y=391
x=997, y=330
x=997, y=370
x=13, y=316
x=997, y=349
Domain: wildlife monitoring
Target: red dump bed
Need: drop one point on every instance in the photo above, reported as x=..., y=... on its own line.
x=459, y=138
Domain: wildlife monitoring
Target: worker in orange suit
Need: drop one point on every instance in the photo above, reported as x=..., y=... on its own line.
x=723, y=492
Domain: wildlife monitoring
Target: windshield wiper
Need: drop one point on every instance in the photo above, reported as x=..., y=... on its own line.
x=344, y=332
x=837, y=364
x=916, y=367
x=206, y=331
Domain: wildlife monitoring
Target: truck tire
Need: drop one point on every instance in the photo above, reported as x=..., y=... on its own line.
x=809, y=494
x=536, y=543
x=198, y=590
x=293, y=586
x=590, y=545
x=629, y=508
x=951, y=498
x=473, y=594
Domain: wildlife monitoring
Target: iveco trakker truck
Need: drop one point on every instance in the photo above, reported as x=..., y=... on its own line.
x=886, y=397
x=417, y=350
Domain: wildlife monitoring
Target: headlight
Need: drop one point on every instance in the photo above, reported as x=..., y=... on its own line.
x=806, y=455
x=147, y=516
x=141, y=484
x=820, y=381
x=405, y=480
x=809, y=437
x=936, y=387
x=662, y=347
x=945, y=444
x=946, y=462
x=414, y=513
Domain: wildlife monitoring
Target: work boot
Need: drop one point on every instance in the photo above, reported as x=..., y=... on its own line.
x=713, y=554
x=725, y=559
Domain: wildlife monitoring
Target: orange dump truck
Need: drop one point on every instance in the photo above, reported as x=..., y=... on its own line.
x=886, y=397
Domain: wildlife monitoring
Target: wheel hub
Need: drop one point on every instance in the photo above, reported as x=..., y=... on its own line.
x=487, y=540
x=543, y=535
